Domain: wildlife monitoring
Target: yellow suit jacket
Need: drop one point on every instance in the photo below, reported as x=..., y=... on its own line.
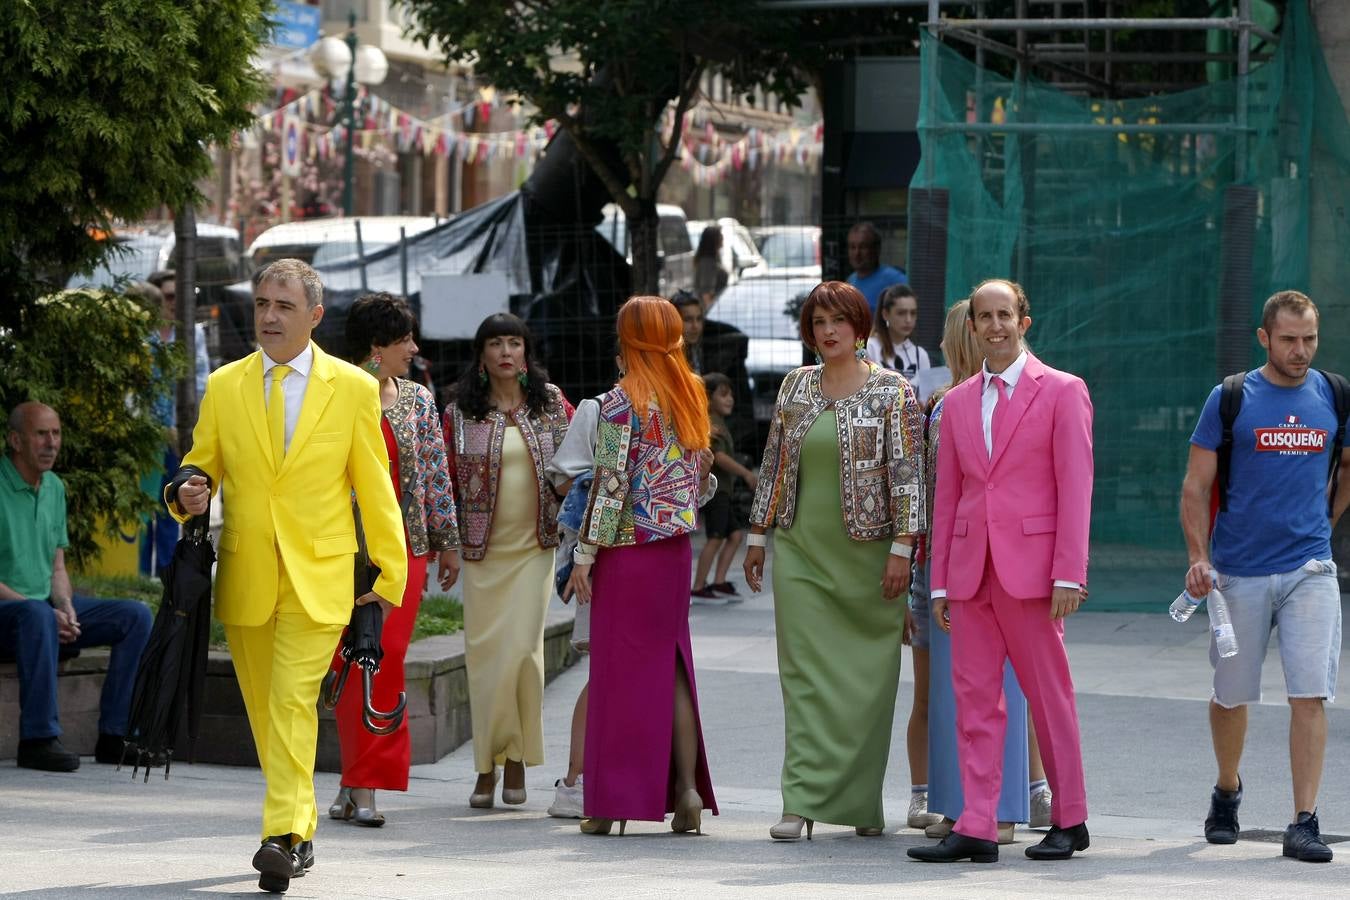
x=299, y=513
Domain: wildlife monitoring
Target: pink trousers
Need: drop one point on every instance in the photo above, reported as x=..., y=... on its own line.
x=986, y=629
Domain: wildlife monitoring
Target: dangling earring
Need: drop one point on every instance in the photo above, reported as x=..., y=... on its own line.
x=820, y=361
x=373, y=364
x=860, y=349
x=482, y=374
x=523, y=377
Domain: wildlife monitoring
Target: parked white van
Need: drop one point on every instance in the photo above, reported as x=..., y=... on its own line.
x=322, y=242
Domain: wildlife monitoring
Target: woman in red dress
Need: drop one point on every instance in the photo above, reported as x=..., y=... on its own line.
x=380, y=339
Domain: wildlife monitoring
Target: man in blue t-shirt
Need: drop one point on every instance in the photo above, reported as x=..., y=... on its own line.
x=1271, y=549
x=864, y=255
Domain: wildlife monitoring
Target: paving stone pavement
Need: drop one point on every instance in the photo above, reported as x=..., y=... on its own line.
x=1143, y=686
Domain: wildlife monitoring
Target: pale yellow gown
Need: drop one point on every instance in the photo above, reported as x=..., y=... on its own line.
x=506, y=598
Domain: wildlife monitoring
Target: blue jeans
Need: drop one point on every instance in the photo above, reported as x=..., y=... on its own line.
x=161, y=531
x=28, y=634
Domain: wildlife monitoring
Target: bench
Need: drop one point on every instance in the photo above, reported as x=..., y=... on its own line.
x=435, y=677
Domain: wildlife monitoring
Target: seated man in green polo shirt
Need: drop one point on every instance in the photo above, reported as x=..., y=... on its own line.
x=39, y=611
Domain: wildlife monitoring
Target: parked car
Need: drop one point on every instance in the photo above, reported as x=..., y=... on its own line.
x=144, y=249
x=674, y=250
x=324, y=241
x=766, y=310
x=789, y=251
x=738, y=246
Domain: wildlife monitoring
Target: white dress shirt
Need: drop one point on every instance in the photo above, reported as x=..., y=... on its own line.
x=988, y=400
x=293, y=387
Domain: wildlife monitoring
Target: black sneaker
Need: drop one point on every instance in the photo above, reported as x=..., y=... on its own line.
x=1222, y=825
x=47, y=754
x=1303, y=840
x=108, y=750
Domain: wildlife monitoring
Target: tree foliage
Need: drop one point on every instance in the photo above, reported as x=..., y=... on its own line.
x=606, y=70
x=107, y=110
x=85, y=354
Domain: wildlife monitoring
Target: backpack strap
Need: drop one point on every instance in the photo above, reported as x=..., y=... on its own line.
x=1340, y=391
x=1230, y=404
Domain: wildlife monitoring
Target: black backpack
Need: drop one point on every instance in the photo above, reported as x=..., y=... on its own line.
x=1230, y=404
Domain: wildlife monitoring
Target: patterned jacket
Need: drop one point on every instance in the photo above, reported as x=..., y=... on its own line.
x=646, y=485
x=880, y=451
x=476, y=463
x=424, y=489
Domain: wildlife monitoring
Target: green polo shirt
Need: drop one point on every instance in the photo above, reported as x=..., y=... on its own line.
x=32, y=526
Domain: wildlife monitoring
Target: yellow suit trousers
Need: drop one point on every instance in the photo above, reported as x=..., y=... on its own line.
x=283, y=711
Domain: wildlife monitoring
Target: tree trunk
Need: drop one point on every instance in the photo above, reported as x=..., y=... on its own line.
x=185, y=280
x=642, y=236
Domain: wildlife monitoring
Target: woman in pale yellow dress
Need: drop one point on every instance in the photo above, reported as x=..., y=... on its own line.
x=500, y=433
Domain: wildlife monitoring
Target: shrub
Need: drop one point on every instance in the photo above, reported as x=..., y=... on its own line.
x=85, y=354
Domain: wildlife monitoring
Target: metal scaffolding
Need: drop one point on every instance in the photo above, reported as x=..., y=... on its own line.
x=1074, y=65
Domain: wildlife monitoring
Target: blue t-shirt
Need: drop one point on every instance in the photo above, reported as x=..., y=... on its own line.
x=1277, y=501
x=878, y=281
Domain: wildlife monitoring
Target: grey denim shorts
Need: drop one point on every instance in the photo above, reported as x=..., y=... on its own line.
x=1303, y=608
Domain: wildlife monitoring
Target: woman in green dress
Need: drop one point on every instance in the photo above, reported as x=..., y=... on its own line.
x=846, y=435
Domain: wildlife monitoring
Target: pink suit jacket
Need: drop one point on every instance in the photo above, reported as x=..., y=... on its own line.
x=1029, y=503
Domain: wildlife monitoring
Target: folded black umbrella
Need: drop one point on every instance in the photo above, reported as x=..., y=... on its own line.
x=361, y=645
x=166, y=704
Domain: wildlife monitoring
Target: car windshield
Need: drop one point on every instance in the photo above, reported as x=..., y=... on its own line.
x=133, y=258
x=762, y=307
x=337, y=251
x=785, y=249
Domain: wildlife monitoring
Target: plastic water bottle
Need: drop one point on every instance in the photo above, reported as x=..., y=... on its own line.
x=1221, y=624
x=1184, y=606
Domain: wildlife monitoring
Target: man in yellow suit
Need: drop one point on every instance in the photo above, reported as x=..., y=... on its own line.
x=288, y=433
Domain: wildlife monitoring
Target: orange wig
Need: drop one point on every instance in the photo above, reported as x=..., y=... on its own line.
x=651, y=341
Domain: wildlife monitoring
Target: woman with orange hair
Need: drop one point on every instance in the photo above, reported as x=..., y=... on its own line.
x=647, y=442
x=842, y=481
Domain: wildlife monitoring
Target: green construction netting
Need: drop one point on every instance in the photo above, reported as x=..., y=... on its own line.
x=1120, y=242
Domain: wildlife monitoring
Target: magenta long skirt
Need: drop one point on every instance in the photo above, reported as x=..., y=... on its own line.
x=639, y=634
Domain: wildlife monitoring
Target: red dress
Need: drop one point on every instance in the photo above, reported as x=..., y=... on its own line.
x=370, y=760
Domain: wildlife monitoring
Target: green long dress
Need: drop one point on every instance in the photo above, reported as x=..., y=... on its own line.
x=838, y=649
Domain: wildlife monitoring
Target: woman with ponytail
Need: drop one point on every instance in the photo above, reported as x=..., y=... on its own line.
x=647, y=441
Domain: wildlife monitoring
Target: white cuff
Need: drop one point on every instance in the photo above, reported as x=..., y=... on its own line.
x=939, y=594
x=902, y=550
x=582, y=556
x=1068, y=584
x=756, y=540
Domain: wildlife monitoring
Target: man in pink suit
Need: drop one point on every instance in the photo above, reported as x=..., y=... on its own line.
x=1010, y=548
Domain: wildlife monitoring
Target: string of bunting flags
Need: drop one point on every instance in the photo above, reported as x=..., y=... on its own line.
x=707, y=156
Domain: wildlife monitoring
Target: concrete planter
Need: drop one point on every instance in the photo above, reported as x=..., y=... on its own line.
x=436, y=682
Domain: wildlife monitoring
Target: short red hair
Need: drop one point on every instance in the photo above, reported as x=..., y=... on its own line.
x=837, y=296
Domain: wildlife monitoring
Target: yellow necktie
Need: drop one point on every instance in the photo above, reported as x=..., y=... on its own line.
x=276, y=414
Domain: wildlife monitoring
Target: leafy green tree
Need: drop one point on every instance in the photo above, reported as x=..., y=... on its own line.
x=85, y=354
x=107, y=112
x=606, y=70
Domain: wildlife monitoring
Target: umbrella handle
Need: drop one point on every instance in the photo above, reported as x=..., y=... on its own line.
x=369, y=713
x=333, y=683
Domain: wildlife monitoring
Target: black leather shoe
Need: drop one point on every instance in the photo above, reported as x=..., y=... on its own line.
x=305, y=852
x=278, y=864
x=47, y=754
x=1303, y=840
x=1060, y=843
x=956, y=847
x=1222, y=825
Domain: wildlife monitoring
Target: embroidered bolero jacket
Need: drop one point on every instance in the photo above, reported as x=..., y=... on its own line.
x=475, y=449
x=646, y=485
x=880, y=455
x=424, y=490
